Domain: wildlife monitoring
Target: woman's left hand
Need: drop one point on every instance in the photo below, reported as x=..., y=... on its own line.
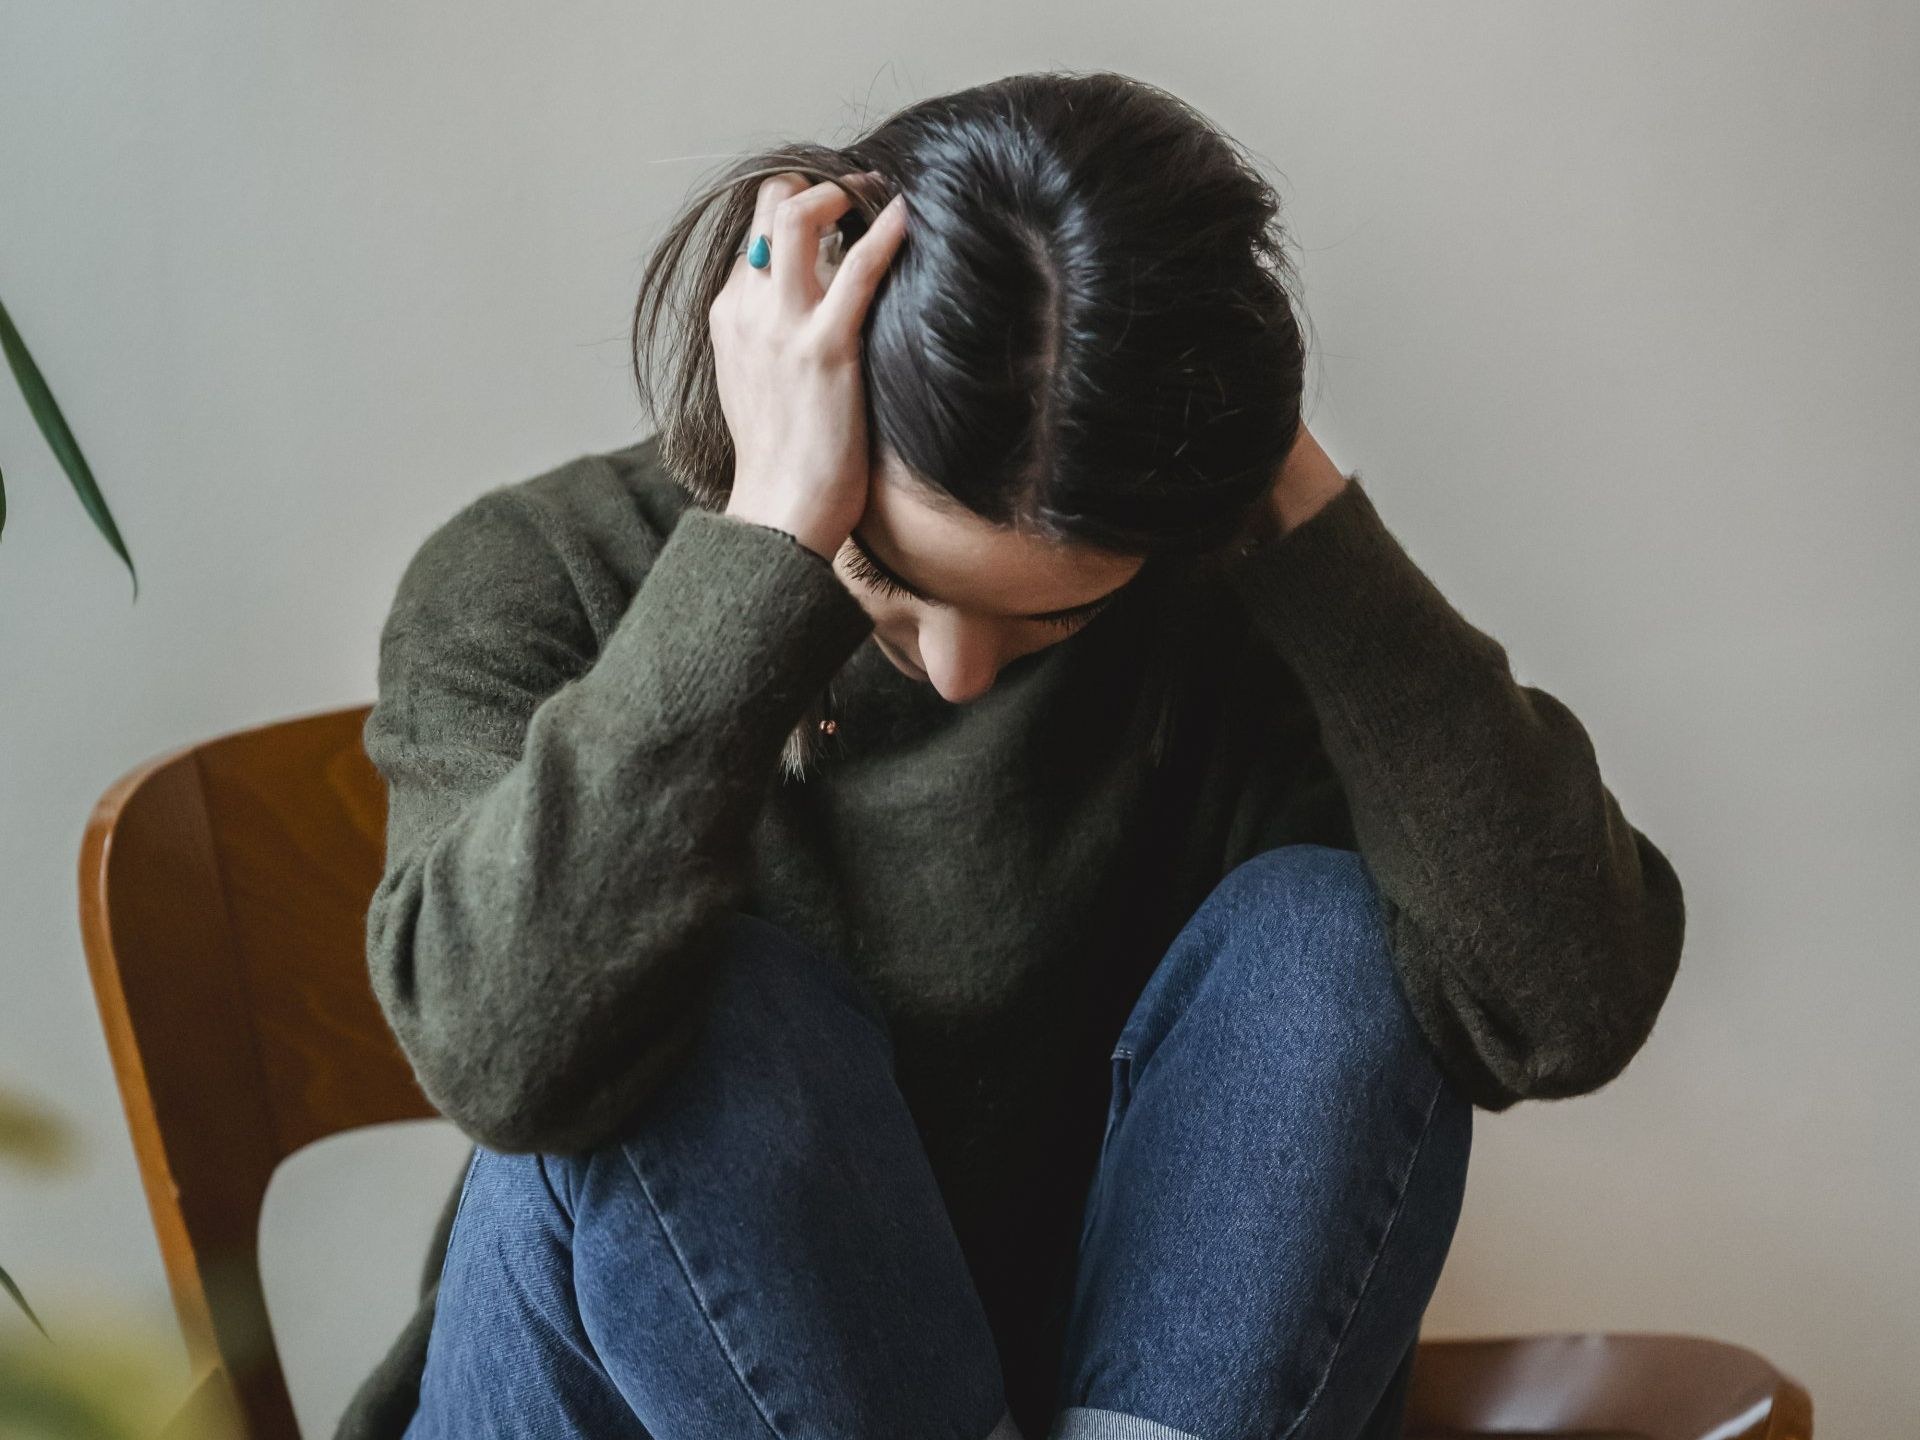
x=1308, y=479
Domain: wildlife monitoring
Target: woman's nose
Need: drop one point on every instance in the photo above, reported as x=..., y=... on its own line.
x=961, y=659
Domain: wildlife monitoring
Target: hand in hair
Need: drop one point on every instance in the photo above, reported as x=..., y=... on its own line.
x=1306, y=481
x=787, y=364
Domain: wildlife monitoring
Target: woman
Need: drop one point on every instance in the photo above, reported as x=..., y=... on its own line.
x=969, y=887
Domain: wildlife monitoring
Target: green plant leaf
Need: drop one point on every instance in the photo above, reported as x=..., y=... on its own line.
x=53, y=1414
x=52, y=1399
x=6, y=1283
x=53, y=425
x=113, y=1376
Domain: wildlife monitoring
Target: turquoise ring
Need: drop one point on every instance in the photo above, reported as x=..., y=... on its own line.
x=760, y=253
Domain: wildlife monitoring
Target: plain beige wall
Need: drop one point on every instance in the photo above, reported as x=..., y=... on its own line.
x=1617, y=314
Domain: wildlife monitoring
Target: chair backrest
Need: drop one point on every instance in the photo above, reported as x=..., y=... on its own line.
x=223, y=898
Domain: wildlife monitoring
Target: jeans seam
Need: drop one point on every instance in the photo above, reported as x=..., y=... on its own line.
x=1373, y=1265
x=460, y=1205
x=686, y=1274
x=1119, y=1100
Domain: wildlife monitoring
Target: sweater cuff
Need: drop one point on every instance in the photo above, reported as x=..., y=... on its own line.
x=743, y=622
x=1372, y=639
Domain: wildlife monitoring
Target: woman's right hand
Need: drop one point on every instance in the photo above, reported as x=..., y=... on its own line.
x=787, y=364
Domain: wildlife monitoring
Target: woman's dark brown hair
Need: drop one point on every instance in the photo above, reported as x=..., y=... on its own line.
x=1089, y=328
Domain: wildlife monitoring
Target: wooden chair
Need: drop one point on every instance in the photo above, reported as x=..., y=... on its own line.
x=223, y=896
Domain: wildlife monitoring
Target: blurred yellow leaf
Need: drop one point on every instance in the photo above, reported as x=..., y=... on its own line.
x=103, y=1378
x=33, y=1134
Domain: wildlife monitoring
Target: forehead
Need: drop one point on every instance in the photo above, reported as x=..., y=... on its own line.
x=946, y=551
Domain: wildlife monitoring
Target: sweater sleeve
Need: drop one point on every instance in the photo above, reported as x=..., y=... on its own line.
x=563, y=826
x=1535, y=931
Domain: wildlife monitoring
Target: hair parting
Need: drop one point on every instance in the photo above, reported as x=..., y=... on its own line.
x=1090, y=333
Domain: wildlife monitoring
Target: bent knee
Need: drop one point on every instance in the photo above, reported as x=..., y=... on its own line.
x=523, y=1194
x=1321, y=880
x=788, y=1038
x=1300, y=957
x=766, y=976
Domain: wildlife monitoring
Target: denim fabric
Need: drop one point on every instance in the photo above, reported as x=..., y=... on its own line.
x=765, y=1251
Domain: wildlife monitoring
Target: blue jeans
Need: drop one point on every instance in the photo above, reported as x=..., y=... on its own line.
x=766, y=1252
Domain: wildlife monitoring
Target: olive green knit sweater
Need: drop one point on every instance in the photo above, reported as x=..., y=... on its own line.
x=584, y=686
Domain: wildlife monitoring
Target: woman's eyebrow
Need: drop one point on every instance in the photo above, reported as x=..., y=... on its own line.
x=874, y=560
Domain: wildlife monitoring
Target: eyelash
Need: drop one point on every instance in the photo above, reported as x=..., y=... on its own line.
x=864, y=571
